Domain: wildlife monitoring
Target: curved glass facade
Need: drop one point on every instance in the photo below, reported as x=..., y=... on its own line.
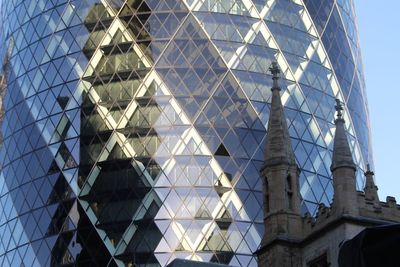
x=134, y=129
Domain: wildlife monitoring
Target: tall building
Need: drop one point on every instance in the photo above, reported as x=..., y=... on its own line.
x=135, y=130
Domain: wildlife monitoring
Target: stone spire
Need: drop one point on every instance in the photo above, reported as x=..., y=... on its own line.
x=278, y=147
x=343, y=169
x=341, y=150
x=370, y=189
x=280, y=175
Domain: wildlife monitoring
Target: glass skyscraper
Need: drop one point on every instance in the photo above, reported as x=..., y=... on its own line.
x=134, y=130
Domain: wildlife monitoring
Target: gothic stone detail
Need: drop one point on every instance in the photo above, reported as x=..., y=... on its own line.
x=291, y=240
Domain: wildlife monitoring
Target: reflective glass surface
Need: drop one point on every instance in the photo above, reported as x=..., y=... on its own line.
x=134, y=129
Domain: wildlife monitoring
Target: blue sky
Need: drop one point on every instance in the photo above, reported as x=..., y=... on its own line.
x=379, y=31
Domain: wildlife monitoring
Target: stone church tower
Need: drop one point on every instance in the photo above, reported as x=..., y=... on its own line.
x=293, y=240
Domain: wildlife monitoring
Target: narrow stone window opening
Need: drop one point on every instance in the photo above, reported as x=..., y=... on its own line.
x=289, y=192
x=289, y=183
x=266, y=188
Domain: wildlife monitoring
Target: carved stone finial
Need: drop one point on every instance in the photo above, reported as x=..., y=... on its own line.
x=274, y=68
x=275, y=71
x=339, y=109
x=369, y=172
